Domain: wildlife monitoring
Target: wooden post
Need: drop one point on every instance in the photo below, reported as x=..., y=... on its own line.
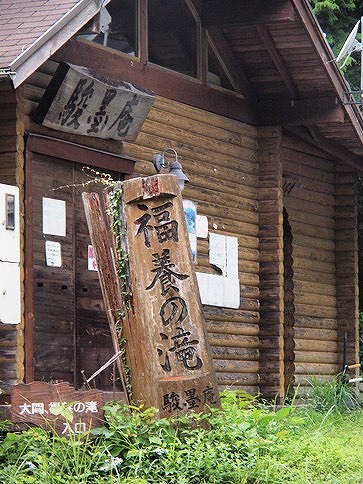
x=170, y=361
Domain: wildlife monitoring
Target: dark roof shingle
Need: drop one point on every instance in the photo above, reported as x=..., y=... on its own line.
x=22, y=22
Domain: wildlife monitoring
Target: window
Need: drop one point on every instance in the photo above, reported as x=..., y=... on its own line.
x=115, y=27
x=172, y=36
x=216, y=75
x=123, y=33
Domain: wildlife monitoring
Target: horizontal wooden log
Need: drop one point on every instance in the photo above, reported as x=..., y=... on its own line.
x=242, y=381
x=233, y=328
x=232, y=341
x=199, y=115
x=307, y=357
x=323, y=224
x=241, y=354
x=314, y=287
x=190, y=141
x=33, y=93
x=343, y=189
x=313, y=276
x=348, y=200
x=213, y=313
x=304, y=167
x=315, y=369
x=308, y=203
x=194, y=128
x=268, y=206
x=214, y=197
x=40, y=78
x=243, y=216
x=309, y=298
x=304, y=252
x=312, y=322
x=235, y=366
x=315, y=311
x=205, y=151
x=306, y=264
x=302, y=154
x=313, y=242
x=223, y=186
x=315, y=345
x=344, y=244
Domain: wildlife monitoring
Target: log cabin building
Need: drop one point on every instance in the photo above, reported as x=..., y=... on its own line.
x=249, y=96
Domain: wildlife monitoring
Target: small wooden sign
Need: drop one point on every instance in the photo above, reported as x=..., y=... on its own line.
x=57, y=407
x=80, y=101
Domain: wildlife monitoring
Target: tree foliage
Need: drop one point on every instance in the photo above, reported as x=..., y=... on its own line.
x=337, y=18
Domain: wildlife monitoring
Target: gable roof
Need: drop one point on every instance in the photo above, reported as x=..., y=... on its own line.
x=274, y=52
x=31, y=31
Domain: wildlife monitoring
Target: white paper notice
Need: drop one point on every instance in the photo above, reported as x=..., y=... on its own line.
x=218, y=290
x=221, y=290
x=202, y=226
x=217, y=252
x=53, y=254
x=54, y=217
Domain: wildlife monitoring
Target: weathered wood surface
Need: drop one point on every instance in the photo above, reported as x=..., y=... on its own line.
x=102, y=240
x=271, y=368
x=311, y=209
x=168, y=326
x=33, y=404
x=223, y=149
x=347, y=266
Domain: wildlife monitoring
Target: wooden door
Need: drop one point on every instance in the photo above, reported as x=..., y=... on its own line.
x=71, y=331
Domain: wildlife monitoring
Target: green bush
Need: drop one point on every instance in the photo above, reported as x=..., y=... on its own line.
x=244, y=442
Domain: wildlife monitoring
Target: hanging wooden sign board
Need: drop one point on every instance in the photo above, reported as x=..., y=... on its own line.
x=84, y=102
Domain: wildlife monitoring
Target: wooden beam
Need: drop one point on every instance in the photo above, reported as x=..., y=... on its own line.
x=28, y=264
x=228, y=62
x=277, y=59
x=201, y=66
x=215, y=12
x=142, y=32
x=161, y=81
x=66, y=150
x=287, y=112
x=335, y=150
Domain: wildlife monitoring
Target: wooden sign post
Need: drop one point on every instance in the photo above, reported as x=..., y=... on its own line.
x=178, y=373
x=48, y=405
x=168, y=353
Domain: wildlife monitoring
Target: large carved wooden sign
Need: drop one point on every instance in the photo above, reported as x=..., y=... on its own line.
x=57, y=407
x=169, y=331
x=80, y=101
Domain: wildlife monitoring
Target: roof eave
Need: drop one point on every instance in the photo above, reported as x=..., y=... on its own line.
x=327, y=58
x=57, y=35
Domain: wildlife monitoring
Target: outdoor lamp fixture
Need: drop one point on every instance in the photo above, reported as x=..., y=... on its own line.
x=173, y=167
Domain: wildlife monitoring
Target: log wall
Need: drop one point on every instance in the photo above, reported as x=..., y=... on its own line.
x=237, y=173
x=12, y=173
x=310, y=207
x=346, y=240
x=220, y=157
x=271, y=262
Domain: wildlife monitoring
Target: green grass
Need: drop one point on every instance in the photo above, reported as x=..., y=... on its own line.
x=326, y=448
x=246, y=442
